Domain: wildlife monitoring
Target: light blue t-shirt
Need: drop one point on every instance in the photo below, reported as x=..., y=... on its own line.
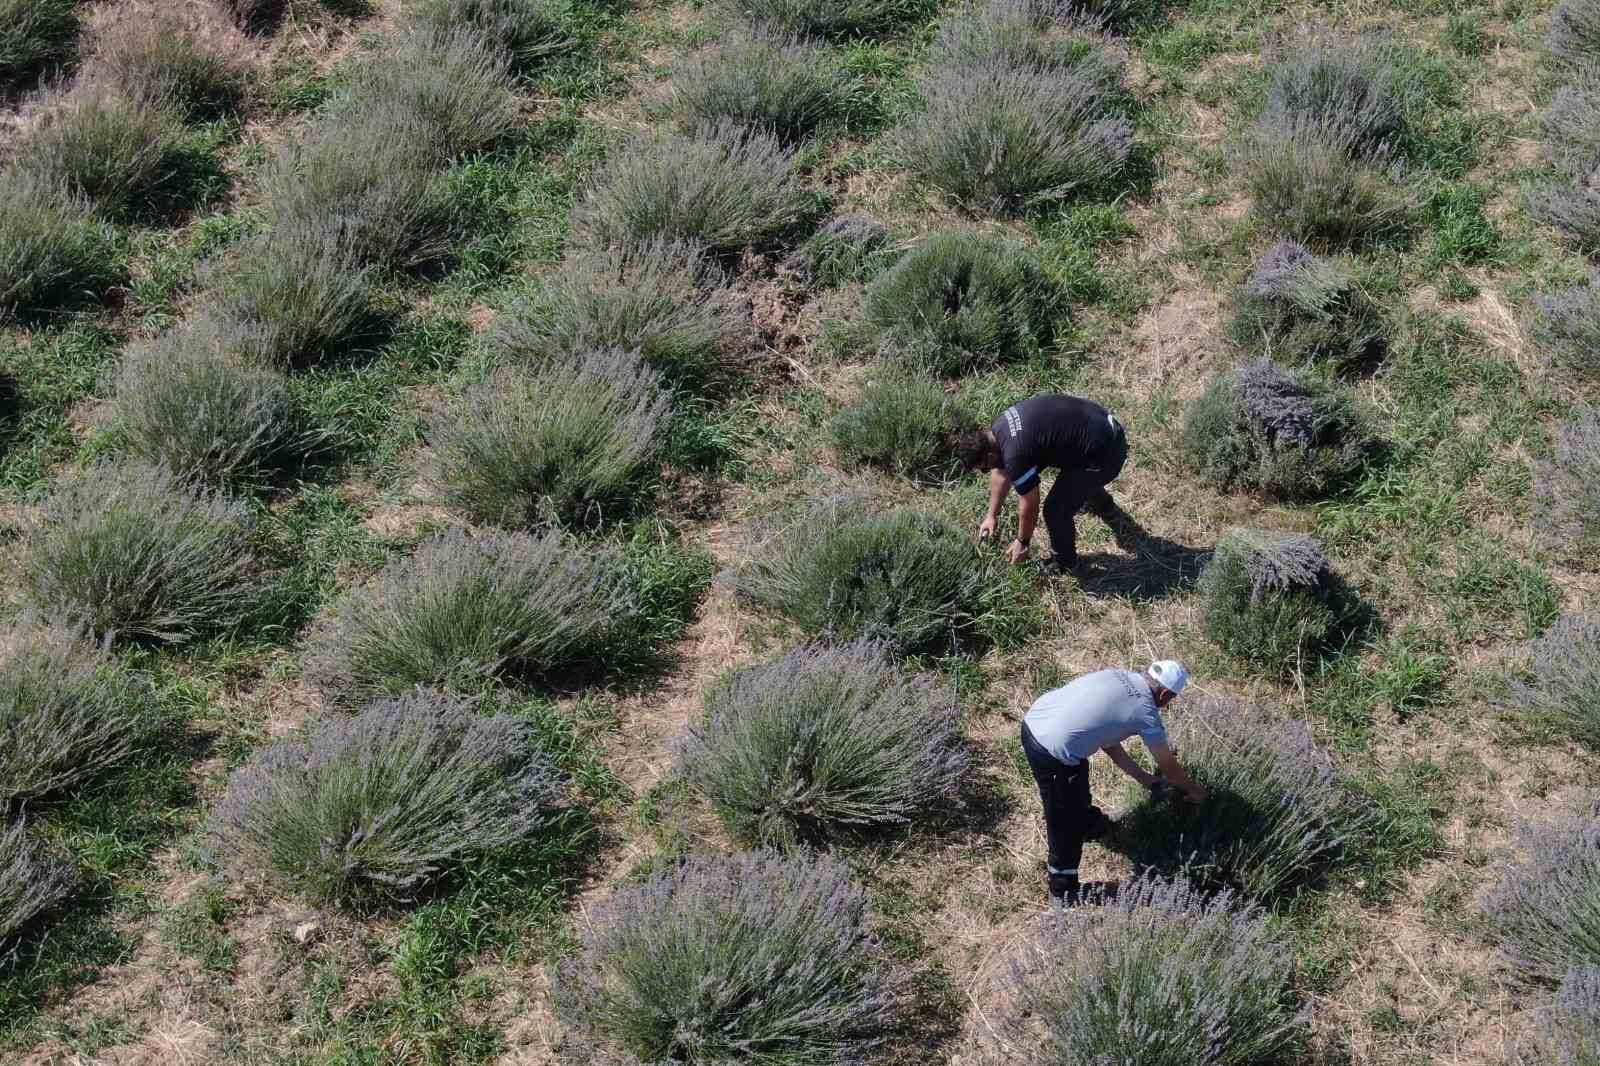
x=1093, y=712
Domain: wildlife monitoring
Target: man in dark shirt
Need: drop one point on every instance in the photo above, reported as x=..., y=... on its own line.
x=1078, y=438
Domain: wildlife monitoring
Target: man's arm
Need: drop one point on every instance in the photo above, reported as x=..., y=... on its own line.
x=1175, y=774
x=999, y=485
x=1126, y=764
x=1027, y=519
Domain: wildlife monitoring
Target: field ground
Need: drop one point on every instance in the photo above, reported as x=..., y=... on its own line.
x=160, y=960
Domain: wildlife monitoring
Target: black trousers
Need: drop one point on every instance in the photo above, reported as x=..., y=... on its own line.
x=1075, y=489
x=1070, y=816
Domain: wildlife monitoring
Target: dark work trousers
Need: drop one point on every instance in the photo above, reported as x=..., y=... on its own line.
x=1074, y=489
x=1070, y=816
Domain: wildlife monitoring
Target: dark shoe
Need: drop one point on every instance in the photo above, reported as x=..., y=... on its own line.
x=1063, y=888
x=1100, y=827
x=1057, y=565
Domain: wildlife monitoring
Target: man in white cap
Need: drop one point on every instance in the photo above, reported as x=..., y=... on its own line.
x=1097, y=712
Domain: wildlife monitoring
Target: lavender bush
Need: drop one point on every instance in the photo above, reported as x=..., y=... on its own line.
x=530, y=31
x=462, y=610
x=846, y=248
x=68, y=710
x=753, y=958
x=1309, y=182
x=32, y=880
x=1572, y=125
x=35, y=35
x=833, y=18
x=906, y=577
x=1299, y=308
x=1566, y=490
x=159, y=59
x=385, y=800
x=1287, y=433
x=1025, y=34
x=725, y=187
x=52, y=251
x=568, y=442
x=186, y=400
x=114, y=151
x=1546, y=910
x=667, y=300
x=134, y=550
x=826, y=741
x=1006, y=139
x=902, y=421
x=1164, y=975
x=1562, y=664
x=1278, y=816
x=1566, y=325
x=1350, y=90
x=1271, y=598
x=783, y=85
x=1575, y=33
x=962, y=299
x=1568, y=1032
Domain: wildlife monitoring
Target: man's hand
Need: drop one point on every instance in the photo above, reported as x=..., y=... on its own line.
x=1017, y=552
x=986, y=527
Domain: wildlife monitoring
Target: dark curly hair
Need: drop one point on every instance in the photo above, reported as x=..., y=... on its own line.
x=974, y=450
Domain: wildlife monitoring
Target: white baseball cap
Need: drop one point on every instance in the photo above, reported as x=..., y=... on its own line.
x=1169, y=674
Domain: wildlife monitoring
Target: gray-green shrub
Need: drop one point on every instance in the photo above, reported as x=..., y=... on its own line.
x=1568, y=1031
x=1562, y=663
x=725, y=187
x=186, y=400
x=750, y=958
x=1005, y=139
x=1546, y=909
x=1572, y=143
x=462, y=611
x=52, y=251
x=1279, y=816
x=902, y=421
x=1285, y=432
x=846, y=248
x=68, y=709
x=1025, y=34
x=530, y=31
x=833, y=18
x=785, y=86
x=134, y=550
x=573, y=441
x=1164, y=974
x=1271, y=598
x=906, y=577
x=1566, y=325
x=1307, y=183
x=386, y=800
x=33, y=879
x=1574, y=34
x=826, y=741
x=35, y=35
x=667, y=300
x=961, y=299
x=113, y=150
x=1299, y=308
x=1566, y=490
x=159, y=59
x=1351, y=90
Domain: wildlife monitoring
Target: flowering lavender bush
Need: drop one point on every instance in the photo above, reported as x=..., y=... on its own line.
x=753, y=958
x=159, y=59
x=385, y=800
x=32, y=880
x=902, y=421
x=1572, y=207
x=833, y=18
x=1563, y=665
x=783, y=85
x=1309, y=182
x=825, y=741
x=905, y=577
x=34, y=36
x=961, y=299
x=1546, y=910
x=529, y=30
x=1288, y=433
x=1568, y=1032
x=1163, y=975
x=725, y=187
x=1575, y=33
x=1299, y=308
x=1566, y=325
x=68, y=709
x=186, y=400
x=1567, y=490
x=667, y=300
x=134, y=550
x=1025, y=34
x=52, y=251
x=1278, y=815
x=1572, y=125
x=569, y=442
x=1272, y=599
x=1004, y=139
x=462, y=610
x=1351, y=90
x=848, y=247
x=112, y=150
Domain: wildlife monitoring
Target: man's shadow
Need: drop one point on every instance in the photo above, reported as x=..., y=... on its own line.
x=1152, y=567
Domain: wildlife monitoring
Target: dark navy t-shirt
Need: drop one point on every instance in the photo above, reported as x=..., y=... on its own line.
x=1052, y=430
